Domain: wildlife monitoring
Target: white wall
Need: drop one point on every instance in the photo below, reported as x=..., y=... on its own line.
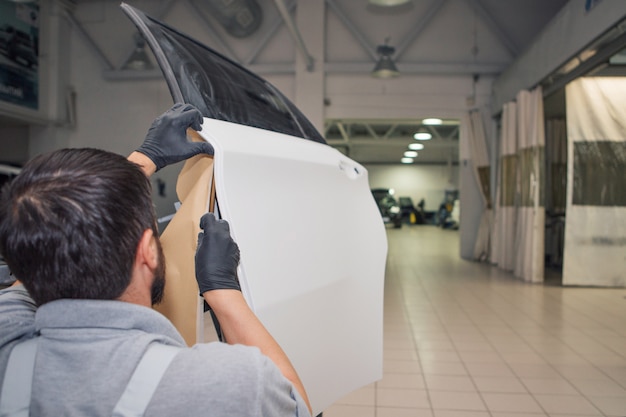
x=416, y=181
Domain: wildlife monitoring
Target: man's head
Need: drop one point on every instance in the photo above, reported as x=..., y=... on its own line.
x=71, y=222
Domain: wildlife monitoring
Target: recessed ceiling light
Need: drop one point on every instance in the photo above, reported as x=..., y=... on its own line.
x=423, y=136
x=407, y=160
x=416, y=146
x=410, y=154
x=431, y=121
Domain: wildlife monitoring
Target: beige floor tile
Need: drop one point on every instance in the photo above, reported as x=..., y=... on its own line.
x=437, y=345
x=400, y=354
x=598, y=388
x=514, y=403
x=468, y=346
x=531, y=370
x=443, y=368
x=449, y=400
x=499, y=384
x=364, y=396
x=480, y=357
x=519, y=415
x=403, y=398
x=566, y=404
x=439, y=356
x=610, y=406
x=549, y=386
x=410, y=381
x=449, y=383
x=460, y=413
x=580, y=371
x=402, y=412
x=488, y=369
x=401, y=367
x=340, y=410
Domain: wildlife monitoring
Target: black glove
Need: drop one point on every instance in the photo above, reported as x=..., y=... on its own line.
x=217, y=256
x=166, y=142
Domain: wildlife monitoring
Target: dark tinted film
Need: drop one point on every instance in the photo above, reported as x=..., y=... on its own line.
x=219, y=87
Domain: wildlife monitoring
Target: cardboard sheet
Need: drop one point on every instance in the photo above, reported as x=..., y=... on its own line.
x=181, y=302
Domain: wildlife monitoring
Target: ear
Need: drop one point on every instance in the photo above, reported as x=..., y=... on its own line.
x=147, y=253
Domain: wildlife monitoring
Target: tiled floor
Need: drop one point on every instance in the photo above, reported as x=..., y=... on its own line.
x=464, y=339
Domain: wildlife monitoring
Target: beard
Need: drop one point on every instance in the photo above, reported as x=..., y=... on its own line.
x=158, y=285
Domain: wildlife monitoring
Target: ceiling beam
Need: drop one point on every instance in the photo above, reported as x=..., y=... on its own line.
x=265, y=38
x=216, y=38
x=421, y=24
x=495, y=27
x=358, y=35
x=92, y=43
x=392, y=128
x=344, y=134
x=295, y=33
x=394, y=143
x=431, y=68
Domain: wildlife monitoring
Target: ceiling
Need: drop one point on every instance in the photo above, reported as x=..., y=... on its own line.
x=475, y=38
x=385, y=141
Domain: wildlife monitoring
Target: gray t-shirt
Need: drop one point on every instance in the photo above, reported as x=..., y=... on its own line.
x=88, y=349
x=17, y=321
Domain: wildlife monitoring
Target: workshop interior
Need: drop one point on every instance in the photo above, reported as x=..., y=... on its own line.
x=417, y=153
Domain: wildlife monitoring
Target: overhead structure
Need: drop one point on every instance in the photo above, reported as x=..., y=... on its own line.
x=385, y=67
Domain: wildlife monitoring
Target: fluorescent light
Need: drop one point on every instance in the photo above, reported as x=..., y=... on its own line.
x=389, y=3
x=410, y=154
x=423, y=136
x=431, y=121
x=416, y=146
x=407, y=160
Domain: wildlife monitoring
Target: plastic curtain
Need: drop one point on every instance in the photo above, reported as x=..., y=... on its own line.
x=595, y=232
x=530, y=224
x=556, y=187
x=480, y=160
x=503, y=248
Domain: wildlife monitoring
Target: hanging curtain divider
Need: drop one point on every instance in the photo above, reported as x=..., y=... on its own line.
x=480, y=161
x=529, y=236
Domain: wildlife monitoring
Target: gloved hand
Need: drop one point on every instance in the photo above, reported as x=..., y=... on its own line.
x=217, y=256
x=166, y=142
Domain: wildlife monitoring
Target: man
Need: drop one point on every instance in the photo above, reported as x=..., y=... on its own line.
x=79, y=231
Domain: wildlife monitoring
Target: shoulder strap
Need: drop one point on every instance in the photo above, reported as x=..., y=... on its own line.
x=145, y=380
x=18, y=380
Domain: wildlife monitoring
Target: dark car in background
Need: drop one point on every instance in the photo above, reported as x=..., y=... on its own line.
x=388, y=206
x=407, y=209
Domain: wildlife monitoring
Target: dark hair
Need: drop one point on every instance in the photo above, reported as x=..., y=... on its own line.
x=71, y=221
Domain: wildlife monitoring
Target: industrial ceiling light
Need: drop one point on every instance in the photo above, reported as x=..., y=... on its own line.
x=432, y=121
x=385, y=67
x=422, y=136
x=410, y=154
x=389, y=3
x=416, y=146
x=138, y=60
x=407, y=160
